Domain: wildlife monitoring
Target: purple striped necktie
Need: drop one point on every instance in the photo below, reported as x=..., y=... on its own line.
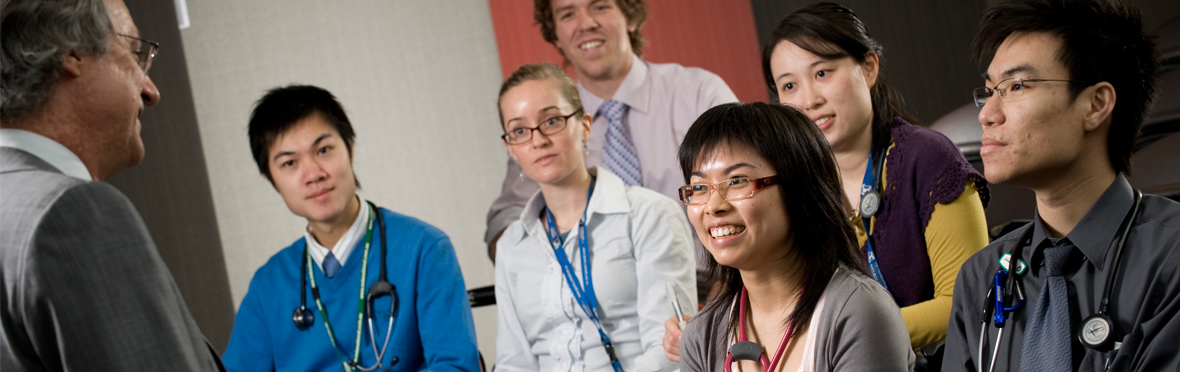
x=619, y=153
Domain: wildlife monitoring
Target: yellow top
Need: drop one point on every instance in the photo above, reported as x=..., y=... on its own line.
x=955, y=232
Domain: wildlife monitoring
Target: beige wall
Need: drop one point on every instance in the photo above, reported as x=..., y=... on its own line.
x=418, y=80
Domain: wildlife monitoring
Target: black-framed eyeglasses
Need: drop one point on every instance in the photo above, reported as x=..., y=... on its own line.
x=1010, y=89
x=548, y=126
x=737, y=188
x=145, y=51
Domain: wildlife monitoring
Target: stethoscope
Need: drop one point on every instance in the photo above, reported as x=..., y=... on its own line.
x=748, y=350
x=870, y=204
x=1095, y=331
x=304, y=318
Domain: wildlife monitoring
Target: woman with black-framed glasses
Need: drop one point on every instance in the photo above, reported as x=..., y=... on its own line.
x=764, y=197
x=580, y=277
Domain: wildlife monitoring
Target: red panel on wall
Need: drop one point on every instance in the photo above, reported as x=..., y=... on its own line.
x=717, y=35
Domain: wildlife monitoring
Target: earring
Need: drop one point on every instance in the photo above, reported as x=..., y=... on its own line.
x=521, y=176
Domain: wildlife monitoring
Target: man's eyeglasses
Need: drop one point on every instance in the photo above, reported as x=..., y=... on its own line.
x=550, y=125
x=1010, y=89
x=732, y=189
x=145, y=52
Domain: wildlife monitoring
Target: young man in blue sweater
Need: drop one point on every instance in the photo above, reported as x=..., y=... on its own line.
x=359, y=301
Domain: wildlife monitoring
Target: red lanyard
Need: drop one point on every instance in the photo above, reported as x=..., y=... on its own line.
x=767, y=365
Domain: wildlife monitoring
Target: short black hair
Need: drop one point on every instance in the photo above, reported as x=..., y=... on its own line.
x=809, y=182
x=279, y=110
x=1101, y=40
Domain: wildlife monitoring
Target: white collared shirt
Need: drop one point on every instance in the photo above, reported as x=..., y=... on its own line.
x=638, y=239
x=343, y=246
x=47, y=150
x=663, y=101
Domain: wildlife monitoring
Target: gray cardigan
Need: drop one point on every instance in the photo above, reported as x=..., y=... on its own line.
x=860, y=330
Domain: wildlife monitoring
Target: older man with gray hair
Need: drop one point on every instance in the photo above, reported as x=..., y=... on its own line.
x=83, y=287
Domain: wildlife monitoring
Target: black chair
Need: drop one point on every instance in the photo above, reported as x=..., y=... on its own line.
x=962, y=127
x=1164, y=118
x=482, y=296
x=1154, y=170
x=1168, y=44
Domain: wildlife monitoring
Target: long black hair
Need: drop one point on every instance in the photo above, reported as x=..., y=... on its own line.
x=832, y=31
x=809, y=182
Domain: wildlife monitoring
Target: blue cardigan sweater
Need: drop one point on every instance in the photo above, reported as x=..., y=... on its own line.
x=433, y=328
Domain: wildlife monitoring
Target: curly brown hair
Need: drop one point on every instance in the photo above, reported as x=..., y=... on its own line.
x=635, y=11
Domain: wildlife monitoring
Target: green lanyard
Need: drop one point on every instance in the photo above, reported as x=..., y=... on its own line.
x=360, y=307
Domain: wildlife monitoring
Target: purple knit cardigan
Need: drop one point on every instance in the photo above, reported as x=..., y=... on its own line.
x=923, y=169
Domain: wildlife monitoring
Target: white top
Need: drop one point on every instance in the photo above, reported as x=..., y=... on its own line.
x=343, y=247
x=639, y=241
x=664, y=100
x=45, y=149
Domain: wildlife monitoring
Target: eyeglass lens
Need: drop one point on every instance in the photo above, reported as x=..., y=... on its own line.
x=732, y=189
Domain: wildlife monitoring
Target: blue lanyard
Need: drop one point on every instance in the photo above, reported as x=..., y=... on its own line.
x=584, y=293
x=349, y=365
x=866, y=186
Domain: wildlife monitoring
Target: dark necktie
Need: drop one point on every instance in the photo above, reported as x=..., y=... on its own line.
x=1047, y=335
x=619, y=153
x=331, y=265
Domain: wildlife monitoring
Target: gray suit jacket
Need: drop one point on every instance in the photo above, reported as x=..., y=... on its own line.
x=84, y=288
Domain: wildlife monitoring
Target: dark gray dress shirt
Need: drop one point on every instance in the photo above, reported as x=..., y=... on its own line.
x=1144, y=301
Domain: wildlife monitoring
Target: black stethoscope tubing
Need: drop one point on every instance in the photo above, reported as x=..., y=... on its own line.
x=304, y=318
x=1012, y=282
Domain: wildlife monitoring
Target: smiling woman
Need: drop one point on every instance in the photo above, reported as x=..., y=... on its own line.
x=915, y=203
x=764, y=198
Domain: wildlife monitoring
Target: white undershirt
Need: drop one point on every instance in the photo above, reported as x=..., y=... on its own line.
x=47, y=150
x=343, y=246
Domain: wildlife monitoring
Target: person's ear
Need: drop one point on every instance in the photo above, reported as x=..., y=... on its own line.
x=1099, y=104
x=73, y=63
x=586, y=121
x=871, y=68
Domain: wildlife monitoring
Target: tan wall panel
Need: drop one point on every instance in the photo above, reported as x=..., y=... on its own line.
x=418, y=80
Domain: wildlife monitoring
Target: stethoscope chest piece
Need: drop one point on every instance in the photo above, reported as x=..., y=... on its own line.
x=746, y=350
x=1095, y=332
x=303, y=317
x=870, y=203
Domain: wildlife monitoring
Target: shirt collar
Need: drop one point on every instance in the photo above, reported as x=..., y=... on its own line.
x=610, y=197
x=349, y=240
x=635, y=91
x=1094, y=234
x=47, y=150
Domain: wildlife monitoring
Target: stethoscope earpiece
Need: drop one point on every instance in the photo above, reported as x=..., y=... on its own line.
x=303, y=317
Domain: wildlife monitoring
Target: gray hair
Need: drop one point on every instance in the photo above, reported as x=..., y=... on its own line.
x=36, y=36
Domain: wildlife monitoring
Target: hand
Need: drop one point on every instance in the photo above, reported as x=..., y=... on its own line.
x=672, y=334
